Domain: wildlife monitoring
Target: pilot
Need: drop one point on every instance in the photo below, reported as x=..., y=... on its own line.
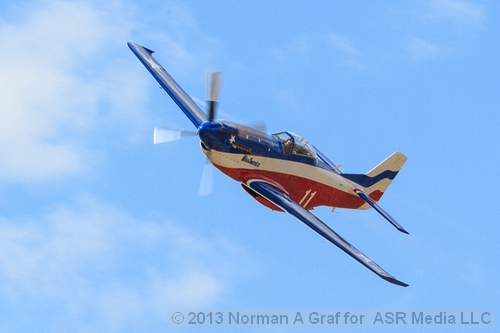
x=287, y=147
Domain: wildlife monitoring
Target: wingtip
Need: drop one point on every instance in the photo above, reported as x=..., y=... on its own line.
x=394, y=281
x=135, y=46
x=403, y=230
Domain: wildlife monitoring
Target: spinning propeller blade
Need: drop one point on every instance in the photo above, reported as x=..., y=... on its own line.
x=206, y=184
x=258, y=125
x=166, y=135
x=213, y=94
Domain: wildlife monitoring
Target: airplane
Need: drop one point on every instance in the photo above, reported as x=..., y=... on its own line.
x=282, y=171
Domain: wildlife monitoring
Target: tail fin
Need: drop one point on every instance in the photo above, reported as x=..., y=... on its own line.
x=376, y=181
x=373, y=184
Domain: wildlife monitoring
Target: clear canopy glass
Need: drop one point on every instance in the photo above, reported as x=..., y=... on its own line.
x=295, y=144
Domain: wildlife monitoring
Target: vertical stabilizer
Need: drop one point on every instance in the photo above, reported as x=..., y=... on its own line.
x=376, y=181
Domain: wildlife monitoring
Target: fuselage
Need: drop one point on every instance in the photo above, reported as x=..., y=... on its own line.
x=284, y=159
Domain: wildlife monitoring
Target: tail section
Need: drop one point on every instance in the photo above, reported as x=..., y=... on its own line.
x=371, y=186
x=376, y=181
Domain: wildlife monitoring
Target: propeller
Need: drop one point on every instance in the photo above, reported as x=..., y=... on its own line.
x=206, y=183
x=258, y=125
x=213, y=94
x=162, y=135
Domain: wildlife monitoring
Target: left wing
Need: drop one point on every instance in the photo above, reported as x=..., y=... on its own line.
x=185, y=103
x=287, y=204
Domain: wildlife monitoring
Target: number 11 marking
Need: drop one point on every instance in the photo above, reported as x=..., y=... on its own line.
x=305, y=196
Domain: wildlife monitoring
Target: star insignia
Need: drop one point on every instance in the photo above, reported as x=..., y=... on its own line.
x=153, y=64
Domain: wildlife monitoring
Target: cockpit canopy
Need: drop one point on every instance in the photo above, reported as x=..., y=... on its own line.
x=292, y=143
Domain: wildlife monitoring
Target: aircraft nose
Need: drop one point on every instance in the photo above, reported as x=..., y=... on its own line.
x=212, y=134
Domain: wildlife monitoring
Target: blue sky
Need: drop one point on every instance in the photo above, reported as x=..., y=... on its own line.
x=101, y=231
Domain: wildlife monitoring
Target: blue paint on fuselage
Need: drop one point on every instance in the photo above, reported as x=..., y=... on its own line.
x=367, y=181
x=229, y=137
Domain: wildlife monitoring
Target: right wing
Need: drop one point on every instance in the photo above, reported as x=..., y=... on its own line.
x=287, y=204
x=185, y=103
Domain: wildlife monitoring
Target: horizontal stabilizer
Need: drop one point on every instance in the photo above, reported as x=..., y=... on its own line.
x=379, y=209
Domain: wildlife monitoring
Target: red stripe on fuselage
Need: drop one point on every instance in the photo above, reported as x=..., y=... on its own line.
x=302, y=190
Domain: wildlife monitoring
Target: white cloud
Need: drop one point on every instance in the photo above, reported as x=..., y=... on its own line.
x=341, y=43
x=347, y=52
x=93, y=258
x=67, y=74
x=191, y=288
x=464, y=14
x=287, y=97
x=420, y=49
x=57, y=71
x=183, y=48
x=302, y=49
x=299, y=47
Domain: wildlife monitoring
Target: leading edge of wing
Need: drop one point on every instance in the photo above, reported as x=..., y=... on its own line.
x=183, y=100
x=283, y=201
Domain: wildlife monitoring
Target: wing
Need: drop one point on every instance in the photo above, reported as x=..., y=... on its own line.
x=285, y=202
x=185, y=103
